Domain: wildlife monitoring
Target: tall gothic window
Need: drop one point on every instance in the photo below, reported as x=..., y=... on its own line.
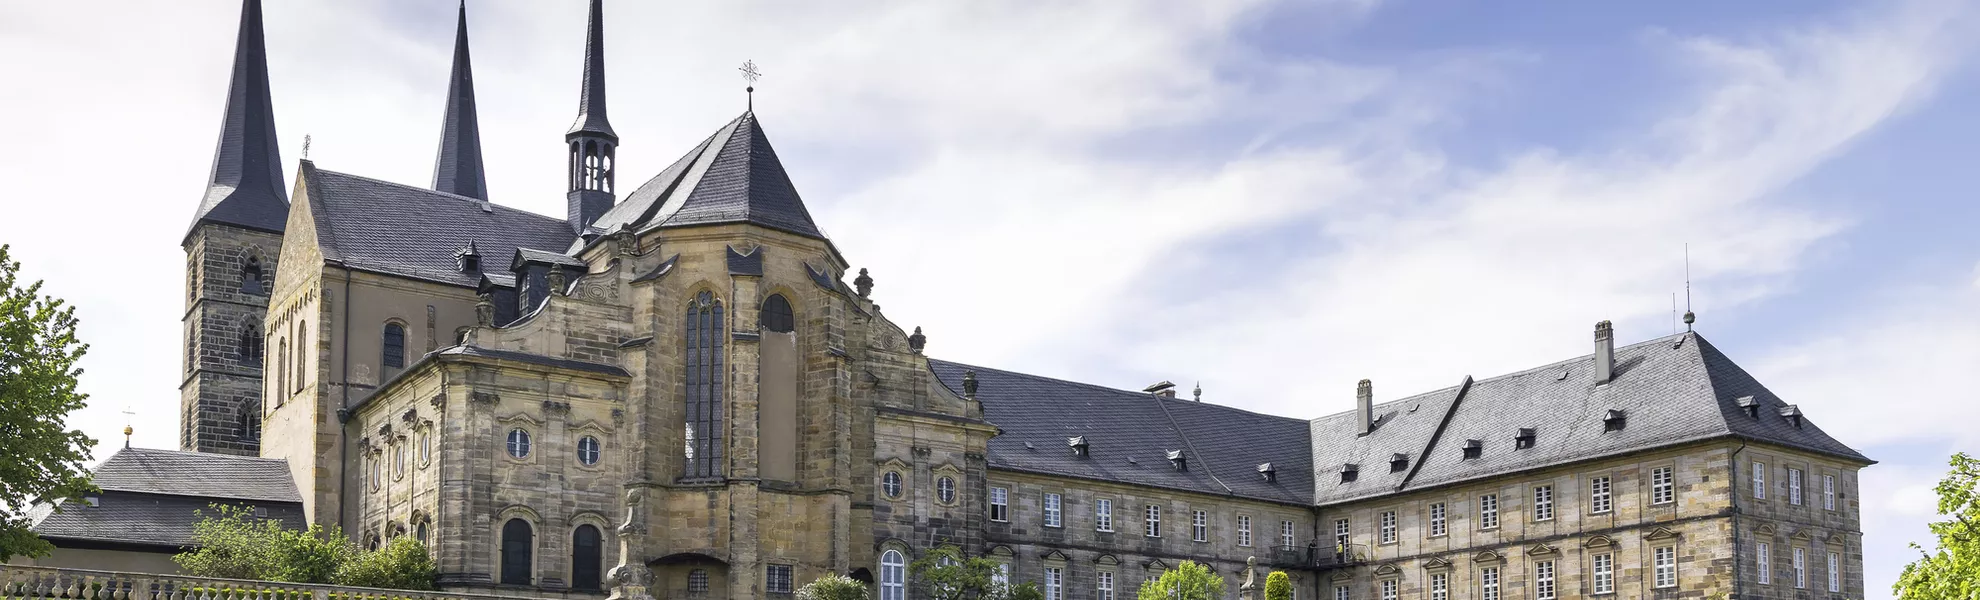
x=586, y=558
x=250, y=349
x=302, y=353
x=395, y=347
x=282, y=368
x=248, y=422
x=702, y=357
x=777, y=314
x=517, y=545
x=251, y=277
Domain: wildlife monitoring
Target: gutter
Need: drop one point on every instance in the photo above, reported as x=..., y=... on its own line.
x=1733, y=486
x=344, y=405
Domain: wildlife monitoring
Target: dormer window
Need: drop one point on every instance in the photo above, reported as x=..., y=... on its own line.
x=1474, y=449
x=1177, y=459
x=1398, y=462
x=1614, y=421
x=1350, y=472
x=1793, y=415
x=468, y=259
x=1078, y=445
x=1750, y=405
x=1524, y=439
x=1266, y=470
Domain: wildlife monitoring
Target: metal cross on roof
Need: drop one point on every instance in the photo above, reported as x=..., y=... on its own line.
x=305, y=146
x=750, y=75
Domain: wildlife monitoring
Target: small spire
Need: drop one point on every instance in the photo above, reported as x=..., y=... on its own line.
x=458, y=169
x=1199, y=391
x=591, y=98
x=247, y=188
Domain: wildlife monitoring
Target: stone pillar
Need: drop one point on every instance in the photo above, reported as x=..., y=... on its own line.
x=1249, y=589
x=631, y=580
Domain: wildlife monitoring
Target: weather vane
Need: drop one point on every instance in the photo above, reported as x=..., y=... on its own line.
x=305, y=146
x=750, y=75
x=127, y=425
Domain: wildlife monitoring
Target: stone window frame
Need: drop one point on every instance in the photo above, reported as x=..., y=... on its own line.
x=1828, y=492
x=1000, y=505
x=955, y=477
x=1543, y=503
x=945, y=490
x=1440, y=519
x=528, y=426
x=597, y=451
x=1105, y=582
x=1799, y=563
x=405, y=341
x=401, y=457
x=1601, y=494
x=1152, y=521
x=422, y=528
x=1658, y=568
x=1763, y=558
x=1288, y=535
x=1596, y=573
x=1796, y=485
x=1759, y=480
x=1052, y=510
x=1835, y=568
x=1389, y=588
x=899, y=484
x=1488, y=517
x=1199, y=526
x=771, y=580
x=1667, y=490
x=705, y=310
x=1439, y=586
x=1103, y=515
x=423, y=437
x=605, y=544
x=1387, y=525
x=1244, y=531
x=1546, y=579
x=1491, y=583
x=881, y=566
x=535, y=522
x=1342, y=592
x=374, y=470
x=598, y=433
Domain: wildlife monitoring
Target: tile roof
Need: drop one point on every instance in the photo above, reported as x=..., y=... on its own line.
x=246, y=188
x=731, y=177
x=1130, y=433
x=196, y=474
x=413, y=232
x=458, y=168
x=149, y=519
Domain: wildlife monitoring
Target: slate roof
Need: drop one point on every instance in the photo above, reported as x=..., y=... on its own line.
x=457, y=169
x=152, y=497
x=413, y=232
x=731, y=177
x=246, y=188
x=149, y=519
x=196, y=474
x=538, y=359
x=591, y=96
x=1130, y=433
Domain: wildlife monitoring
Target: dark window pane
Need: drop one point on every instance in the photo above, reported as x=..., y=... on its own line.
x=395, y=346
x=586, y=558
x=777, y=315
x=517, y=544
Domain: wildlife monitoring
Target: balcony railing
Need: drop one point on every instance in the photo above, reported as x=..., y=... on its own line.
x=79, y=584
x=1340, y=557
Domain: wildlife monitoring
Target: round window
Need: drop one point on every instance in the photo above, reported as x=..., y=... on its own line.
x=588, y=450
x=890, y=484
x=945, y=490
x=518, y=443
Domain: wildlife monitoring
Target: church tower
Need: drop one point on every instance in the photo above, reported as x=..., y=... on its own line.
x=458, y=169
x=231, y=251
x=593, y=145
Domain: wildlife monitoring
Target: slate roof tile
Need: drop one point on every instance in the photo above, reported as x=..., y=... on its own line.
x=413, y=232
x=731, y=177
x=196, y=474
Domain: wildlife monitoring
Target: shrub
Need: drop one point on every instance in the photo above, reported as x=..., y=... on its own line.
x=832, y=586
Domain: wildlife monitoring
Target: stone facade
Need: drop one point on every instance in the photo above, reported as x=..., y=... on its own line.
x=230, y=272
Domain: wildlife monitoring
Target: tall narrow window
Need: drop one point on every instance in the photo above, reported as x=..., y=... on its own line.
x=777, y=314
x=1244, y=531
x=1800, y=568
x=1543, y=580
x=1828, y=492
x=1389, y=591
x=517, y=544
x=703, y=379
x=1199, y=526
x=1103, y=586
x=1387, y=527
x=1055, y=581
x=1835, y=572
x=250, y=346
x=1103, y=515
x=1340, y=536
x=1488, y=511
x=1759, y=480
x=251, y=277
x=1604, y=574
x=1286, y=535
x=1764, y=562
x=893, y=575
x=394, y=353
x=1662, y=485
x=1439, y=524
x=1000, y=504
x=1054, y=517
x=282, y=368
x=1342, y=592
x=1153, y=527
x=302, y=354
x=1664, y=566
x=1598, y=495
x=1794, y=487
x=1440, y=586
x=1488, y=583
x=1543, y=503
x=587, y=558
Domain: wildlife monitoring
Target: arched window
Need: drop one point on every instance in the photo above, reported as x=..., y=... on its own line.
x=777, y=314
x=587, y=450
x=302, y=353
x=587, y=558
x=702, y=358
x=518, y=542
x=425, y=446
x=251, y=277
x=282, y=368
x=893, y=575
x=248, y=426
x=399, y=459
x=250, y=348
x=395, y=347
x=419, y=533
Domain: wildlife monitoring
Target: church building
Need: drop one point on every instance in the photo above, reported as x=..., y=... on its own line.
x=680, y=388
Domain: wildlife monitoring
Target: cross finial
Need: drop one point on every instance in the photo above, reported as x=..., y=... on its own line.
x=305, y=146
x=750, y=74
x=127, y=425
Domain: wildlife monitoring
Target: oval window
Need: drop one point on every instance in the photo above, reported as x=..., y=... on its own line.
x=518, y=443
x=945, y=490
x=890, y=484
x=588, y=450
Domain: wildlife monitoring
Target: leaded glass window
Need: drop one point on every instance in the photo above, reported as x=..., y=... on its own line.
x=703, y=377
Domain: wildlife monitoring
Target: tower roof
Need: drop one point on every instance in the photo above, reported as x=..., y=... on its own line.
x=731, y=177
x=247, y=189
x=591, y=98
x=458, y=168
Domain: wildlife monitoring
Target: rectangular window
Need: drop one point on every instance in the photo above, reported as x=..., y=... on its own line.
x=1662, y=485
x=1389, y=591
x=1488, y=583
x=1002, y=575
x=1154, y=525
x=1604, y=574
x=1759, y=480
x=1054, y=583
x=1828, y=492
x=1103, y=515
x=1440, y=586
x=1340, y=535
x=1543, y=580
x=1763, y=560
x=1341, y=593
x=1103, y=587
x=1000, y=504
x=1800, y=568
x=1438, y=525
x=1599, y=501
x=778, y=579
x=1244, y=531
x=1543, y=503
x=1286, y=536
x=1835, y=572
x=1388, y=527
x=1199, y=526
x=1488, y=511
x=1052, y=513
x=1794, y=487
x=1665, y=565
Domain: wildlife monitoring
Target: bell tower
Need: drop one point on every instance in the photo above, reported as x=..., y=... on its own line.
x=593, y=145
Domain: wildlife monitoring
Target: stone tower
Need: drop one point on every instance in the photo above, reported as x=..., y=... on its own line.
x=231, y=251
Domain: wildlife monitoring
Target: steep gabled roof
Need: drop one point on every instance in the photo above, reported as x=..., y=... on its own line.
x=403, y=230
x=457, y=169
x=246, y=188
x=731, y=177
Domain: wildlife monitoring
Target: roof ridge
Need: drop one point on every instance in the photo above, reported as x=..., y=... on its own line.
x=1541, y=368
x=143, y=450
x=447, y=195
x=1124, y=392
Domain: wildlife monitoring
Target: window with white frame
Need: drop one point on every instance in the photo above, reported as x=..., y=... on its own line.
x=890, y=484
x=1835, y=572
x=1286, y=536
x=1440, y=586
x=1103, y=515
x=1000, y=504
x=945, y=490
x=1759, y=480
x=1103, y=585
x=1341, y=592
x=1488, y=511
x=1054, y=583
x=1244, y=531
x=1340, y=535
x=1389, y=590
x=1599, y=499
x=1828, y=492
x=1794, y=487
x=1663, y=488
x=1488, y=583
x=1438, y=523
x=1153, y=526
x=1388, y=527
x=1800, y=568
x=1664, y=566
x=1001, y=576
x=1764, y=561
x=1199, y=526
x=1543, y=580
x=1543, y=503
x=1053, y=516
x=1603, y=574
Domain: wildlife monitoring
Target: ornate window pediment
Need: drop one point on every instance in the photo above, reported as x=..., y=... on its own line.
x=895, y=463
x=1764, y=529
x=521, y=419
x=593, y=427
x=1660, y=533
x=1488, y=556
x=1598, y=541
x=1002, y=551
x=1388, y=570
x=1802, y=535
x=1436, y=563
x=1053, y=555
x=1541, y=550
x=1107, y=559
x=948, y=469
x=1155, y=565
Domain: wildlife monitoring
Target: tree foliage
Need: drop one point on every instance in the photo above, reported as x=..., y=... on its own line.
x=232, y=543
x=1188, y=581
x=832, y=586
x=945, y=575
x=402, y=564
x=1953, y=571
x=1278, y=586
x=39, y=461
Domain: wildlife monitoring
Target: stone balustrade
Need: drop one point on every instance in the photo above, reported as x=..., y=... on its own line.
x=20, y=582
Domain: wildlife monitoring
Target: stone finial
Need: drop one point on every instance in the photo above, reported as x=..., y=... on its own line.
x=484, y=310
x=969, y=384
x=556, y=279
x=630, y=579
x=917, y=341
x=863, y=283
x=1248, y=590
x=1199, y=391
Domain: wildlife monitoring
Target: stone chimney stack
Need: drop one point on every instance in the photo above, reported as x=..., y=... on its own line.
x=1364, y=405
x=1605, y=353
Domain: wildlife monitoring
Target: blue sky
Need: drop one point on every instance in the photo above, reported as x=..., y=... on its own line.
x=1273, y=198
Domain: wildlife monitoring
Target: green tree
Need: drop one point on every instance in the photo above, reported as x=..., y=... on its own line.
x=402, y=564
x=40, y=461
x=232, y=543
x=1953, y=572
x=1021, y=591
x=1188, y=581
x=832, y=586
x=1278, y=586
x=945, y=575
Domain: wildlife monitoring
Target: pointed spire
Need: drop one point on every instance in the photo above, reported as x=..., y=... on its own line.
x=458, y=169
x=591, y=98
x=247, y=188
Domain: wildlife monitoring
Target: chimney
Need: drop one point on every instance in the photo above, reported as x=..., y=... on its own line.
x=1605, y=353
x=1163, y=389
x=1364, y=405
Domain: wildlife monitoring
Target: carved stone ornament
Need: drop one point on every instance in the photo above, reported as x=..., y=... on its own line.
x=485, y=397
x=864, y=284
